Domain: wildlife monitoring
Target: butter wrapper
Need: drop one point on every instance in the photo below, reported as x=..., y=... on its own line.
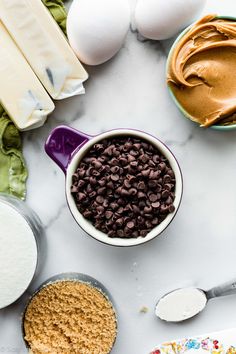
x=44, y=46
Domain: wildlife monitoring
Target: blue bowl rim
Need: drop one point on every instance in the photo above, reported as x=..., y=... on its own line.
x=183, y=111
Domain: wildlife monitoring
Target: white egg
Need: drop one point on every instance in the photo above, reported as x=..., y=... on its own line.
x=97, y=28
x=162, y=19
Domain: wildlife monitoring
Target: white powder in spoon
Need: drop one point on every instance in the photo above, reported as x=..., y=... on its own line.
x=181, y=304
x=18, y=254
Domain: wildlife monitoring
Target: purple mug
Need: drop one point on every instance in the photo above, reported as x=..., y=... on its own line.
x=67, y=146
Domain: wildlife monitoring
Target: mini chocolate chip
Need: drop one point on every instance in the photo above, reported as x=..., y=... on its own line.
x=134, y=163
x=108, y=151
x=165, y=194
x=151, y=163
x=120, y=233
x=115, y=177
x=132, y=191
x=144, y=158
x=108, y=214
x=148, y=224
x=153, y=197
x=155, y=221
x=164, y=209
x=114, y=162
x=124, y=192
x=100, y=209
x=169, y=200
x=92, y=181
x=127, y=183
x=97, y=165
x=114, y=206
x=87, y=213
x=142, y=203
x=73, y=189
x=102, y=182
x=95, y=173
x=120, y=222
x=101, y=190
x=137, y=146
x=116, y=152
x=143, y=233
x=81, y=173
x=121, y=201
x=147, y=209
x=131, y=158
x=133, y=153
x=141, y=195
x=168, y=186
x=105, y=203
x=166, y=179
x=170, y=172
x=156, y=205
x=81, y=196
x=123, y=161
x=162, y=166
x=156, y=158
x=145, y=173
x=141, y=185
x=115, y=169
x=130, y=225
x=171, y=208
x=135, y=209
x=92, y=194
x=120, y=210
x=152, y=183
x=89, y=188
x=99, y=199
x=110, y=185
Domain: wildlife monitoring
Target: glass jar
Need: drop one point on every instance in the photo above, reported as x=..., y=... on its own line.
x=21, y=248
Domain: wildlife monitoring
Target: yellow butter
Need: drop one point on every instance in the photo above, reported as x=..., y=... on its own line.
x=44, y=46
x=21, y=93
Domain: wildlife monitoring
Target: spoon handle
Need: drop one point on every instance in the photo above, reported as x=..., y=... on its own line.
x=222, y=290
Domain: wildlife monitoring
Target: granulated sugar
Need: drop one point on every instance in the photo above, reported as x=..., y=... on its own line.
x=70, y=317
x=18, y=254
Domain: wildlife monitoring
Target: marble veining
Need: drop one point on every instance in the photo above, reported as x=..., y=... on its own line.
x=197, y=249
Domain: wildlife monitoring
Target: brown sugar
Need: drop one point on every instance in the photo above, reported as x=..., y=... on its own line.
x=68, y=317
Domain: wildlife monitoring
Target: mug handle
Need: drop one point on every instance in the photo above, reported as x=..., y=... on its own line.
x=62, y=143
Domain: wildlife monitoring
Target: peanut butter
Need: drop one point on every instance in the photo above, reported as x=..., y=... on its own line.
x=201, y=72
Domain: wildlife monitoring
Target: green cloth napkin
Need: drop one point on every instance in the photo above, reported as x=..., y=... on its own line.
x=58, y=11
x=13, y=170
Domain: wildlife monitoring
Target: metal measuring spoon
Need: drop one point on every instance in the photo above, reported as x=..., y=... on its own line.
x=182, y=304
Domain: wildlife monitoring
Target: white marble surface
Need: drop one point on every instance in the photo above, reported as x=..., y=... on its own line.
x=198, y=248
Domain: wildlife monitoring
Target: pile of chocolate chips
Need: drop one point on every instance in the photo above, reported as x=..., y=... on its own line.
x=124, y=186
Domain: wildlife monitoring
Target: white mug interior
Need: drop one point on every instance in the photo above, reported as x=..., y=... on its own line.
x=87, y=225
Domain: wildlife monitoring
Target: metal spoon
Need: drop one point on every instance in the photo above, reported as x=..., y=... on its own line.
x=182, y=304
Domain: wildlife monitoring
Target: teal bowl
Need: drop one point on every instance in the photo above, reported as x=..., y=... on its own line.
x=179, y=106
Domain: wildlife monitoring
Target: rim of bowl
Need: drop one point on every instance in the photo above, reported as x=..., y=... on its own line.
x=86, y=225
x=22, y=209
x=179, y=106
x=77, y=277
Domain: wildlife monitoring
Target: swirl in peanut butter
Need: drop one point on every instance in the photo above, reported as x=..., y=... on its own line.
x=202, y=71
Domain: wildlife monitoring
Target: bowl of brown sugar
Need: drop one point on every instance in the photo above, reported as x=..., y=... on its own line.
x=70, y=313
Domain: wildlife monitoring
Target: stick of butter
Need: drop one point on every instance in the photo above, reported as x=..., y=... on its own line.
x=44, y=47
x=21, y=93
